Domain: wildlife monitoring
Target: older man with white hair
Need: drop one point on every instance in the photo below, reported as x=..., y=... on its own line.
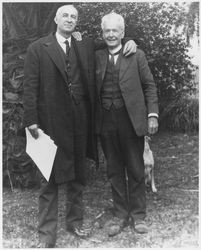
x=59, y=98
x=127, y=107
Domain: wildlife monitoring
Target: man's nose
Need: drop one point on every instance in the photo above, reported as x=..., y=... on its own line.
x=68, y=19
x=111, y=33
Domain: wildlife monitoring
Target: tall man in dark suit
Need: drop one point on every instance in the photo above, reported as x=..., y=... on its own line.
x=59, y=98
x=127, y=106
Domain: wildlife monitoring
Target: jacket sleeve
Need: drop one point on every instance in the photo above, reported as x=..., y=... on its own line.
x=31, y=87
x=148, y=84
x=99, y=44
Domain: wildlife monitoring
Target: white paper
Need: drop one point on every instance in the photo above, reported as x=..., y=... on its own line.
x=42, y=151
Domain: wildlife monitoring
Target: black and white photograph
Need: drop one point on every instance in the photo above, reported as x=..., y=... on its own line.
x=100, y=124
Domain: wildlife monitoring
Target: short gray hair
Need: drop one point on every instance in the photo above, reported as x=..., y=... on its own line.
x=114, y=16
x=59, y=10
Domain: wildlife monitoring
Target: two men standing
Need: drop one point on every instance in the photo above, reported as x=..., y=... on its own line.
x=59, y=97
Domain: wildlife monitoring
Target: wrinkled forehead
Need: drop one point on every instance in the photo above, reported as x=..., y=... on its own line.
x=67, y=9
x=112, y=24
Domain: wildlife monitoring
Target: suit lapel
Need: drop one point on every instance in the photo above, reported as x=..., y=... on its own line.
x=55, y=52
x=80, y=51
x=101, y=65
x=103, y=62
x=82, y=58
x=125, y=64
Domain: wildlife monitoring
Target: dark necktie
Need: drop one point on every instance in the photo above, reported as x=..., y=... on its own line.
x=67, y=47
x=112, y=57
x=68, y=63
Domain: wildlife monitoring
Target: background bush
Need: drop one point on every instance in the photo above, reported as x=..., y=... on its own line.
x=181, y=115
x=154, y=26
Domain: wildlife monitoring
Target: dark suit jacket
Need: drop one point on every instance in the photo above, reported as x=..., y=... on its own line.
x=47, y=101
x=137, y=87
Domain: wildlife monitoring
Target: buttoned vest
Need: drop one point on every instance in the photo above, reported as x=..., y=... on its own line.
x=111, y=92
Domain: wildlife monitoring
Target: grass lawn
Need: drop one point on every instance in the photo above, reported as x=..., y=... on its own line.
x=172, y=213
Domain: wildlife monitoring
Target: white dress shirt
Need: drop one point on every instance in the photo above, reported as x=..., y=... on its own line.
x=113, y=51
x=61, y=40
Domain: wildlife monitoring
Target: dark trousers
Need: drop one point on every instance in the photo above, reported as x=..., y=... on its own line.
x=48, y=199
x=123, y=150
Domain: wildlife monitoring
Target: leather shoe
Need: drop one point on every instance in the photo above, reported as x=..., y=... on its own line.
x=140, y=226
x=115, y=226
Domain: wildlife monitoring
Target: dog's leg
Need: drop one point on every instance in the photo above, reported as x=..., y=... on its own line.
x=147, y=175
x=153, y=186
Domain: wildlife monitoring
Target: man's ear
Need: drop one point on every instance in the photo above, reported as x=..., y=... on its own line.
x=55, y=19
x=102, y=34
x=77, y=20
x=122, y=34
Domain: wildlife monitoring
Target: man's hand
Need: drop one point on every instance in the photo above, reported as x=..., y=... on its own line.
x=130, y=47
x=33, y=129
x=152, y=125
x=77, y=35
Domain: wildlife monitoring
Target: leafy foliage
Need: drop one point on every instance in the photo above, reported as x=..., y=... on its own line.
x=16, y=163
x=181, y=115
x=153, y=25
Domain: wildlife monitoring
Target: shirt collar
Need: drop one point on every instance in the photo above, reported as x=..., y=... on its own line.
x=112, y=51
x=62, y=39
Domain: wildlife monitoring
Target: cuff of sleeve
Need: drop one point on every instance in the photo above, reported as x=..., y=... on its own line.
x=153, y=115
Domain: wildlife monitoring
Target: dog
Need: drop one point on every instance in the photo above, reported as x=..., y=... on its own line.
x=149, y=165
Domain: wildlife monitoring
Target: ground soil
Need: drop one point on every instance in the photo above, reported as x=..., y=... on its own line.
x=172, y=213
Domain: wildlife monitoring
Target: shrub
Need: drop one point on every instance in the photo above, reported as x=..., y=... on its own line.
x=181, y=115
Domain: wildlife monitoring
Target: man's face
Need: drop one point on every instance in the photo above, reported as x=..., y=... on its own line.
x=66, y=20
x=112, y=33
